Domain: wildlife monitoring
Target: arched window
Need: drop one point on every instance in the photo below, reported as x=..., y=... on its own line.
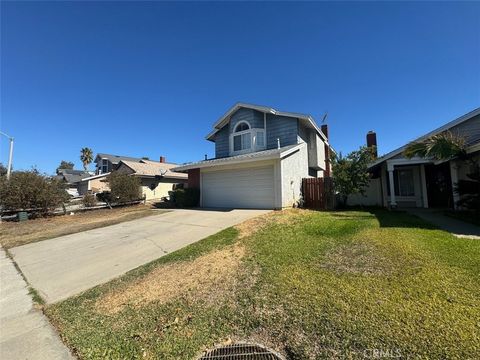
x=242, y=139
x=242, y=126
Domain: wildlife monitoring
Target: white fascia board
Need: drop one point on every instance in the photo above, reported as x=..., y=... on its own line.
x=222, y=163
x=95, y=177
x=236, y=161
x=291, y=151
x=412, y=161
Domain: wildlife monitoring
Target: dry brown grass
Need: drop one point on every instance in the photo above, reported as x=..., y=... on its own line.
x=219, y=270
x=194, y=279
x=20, y=233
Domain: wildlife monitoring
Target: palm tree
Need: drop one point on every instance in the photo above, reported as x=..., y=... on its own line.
x=86, y=156
x=444, y=146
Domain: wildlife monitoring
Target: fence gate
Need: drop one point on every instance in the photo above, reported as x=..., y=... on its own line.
x=318, y=193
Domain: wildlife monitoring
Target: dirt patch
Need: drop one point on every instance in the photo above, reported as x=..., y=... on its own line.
x=195, y=279
x=20, y=233
x=357, y=258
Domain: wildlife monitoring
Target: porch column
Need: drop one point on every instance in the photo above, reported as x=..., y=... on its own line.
x=423, y=181
x=390, y=168
x=454, y=178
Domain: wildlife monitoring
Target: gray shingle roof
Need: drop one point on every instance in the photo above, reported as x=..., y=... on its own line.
x=72, y=176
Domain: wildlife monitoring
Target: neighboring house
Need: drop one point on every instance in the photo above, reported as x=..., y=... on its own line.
x=105, y=163
x=420, y=182
x=93, y=184
x=71, y=178
x=156, y=178
x=261, y=156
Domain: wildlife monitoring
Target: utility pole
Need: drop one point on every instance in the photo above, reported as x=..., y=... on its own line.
x=10, y=155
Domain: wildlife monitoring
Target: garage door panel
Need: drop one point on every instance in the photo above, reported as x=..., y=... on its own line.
x=240, y=188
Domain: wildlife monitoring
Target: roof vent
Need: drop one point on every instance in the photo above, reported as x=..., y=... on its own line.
x=241, y=351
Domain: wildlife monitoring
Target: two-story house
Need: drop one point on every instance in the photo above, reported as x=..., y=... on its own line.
x=261, y=156
x=105, y=163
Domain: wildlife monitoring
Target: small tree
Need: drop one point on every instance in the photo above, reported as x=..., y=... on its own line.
x=123, y=187
x=350, y=173
x=65, y=165
x=86, y=156
x=3, y=170
x=31, y=190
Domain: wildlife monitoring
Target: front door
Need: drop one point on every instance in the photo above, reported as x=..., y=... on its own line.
x=439, y=185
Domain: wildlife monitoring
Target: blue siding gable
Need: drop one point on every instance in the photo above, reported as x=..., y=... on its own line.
x=253, y=117
x=278, y=127
x=222, y=143
x=283, y=128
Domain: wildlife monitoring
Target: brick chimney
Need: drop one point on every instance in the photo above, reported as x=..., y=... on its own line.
x=162, y=159
x=372, y=142
x=324, y=129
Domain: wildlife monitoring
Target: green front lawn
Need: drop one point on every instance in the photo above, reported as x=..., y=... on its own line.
x=308, y=284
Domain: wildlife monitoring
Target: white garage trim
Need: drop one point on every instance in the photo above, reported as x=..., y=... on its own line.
x=241, y=186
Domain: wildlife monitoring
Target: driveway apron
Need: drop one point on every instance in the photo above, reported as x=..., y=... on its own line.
x=61, y=267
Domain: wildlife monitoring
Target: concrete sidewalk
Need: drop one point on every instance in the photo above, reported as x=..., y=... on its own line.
x=61, y=267
x=25, y=332
x=456, y=227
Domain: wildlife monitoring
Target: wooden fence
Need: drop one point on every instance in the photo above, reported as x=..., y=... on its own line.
x=318, y=193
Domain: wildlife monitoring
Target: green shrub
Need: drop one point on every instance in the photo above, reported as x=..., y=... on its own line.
x=124, y=188
x=31, y=190
x=189, y=197
x=89, y=200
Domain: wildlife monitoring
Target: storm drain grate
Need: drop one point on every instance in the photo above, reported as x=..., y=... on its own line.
x=241, y=352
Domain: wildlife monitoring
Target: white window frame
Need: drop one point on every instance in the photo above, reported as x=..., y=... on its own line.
x=253, y=139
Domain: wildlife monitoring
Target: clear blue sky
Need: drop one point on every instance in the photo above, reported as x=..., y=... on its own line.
x=150, y=79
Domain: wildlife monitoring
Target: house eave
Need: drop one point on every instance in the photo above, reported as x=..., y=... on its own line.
x=233, y=160
x=439, y=130
x=264, y=109
x=95, y=177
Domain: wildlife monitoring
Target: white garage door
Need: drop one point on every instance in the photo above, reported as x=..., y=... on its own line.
x=245, y=188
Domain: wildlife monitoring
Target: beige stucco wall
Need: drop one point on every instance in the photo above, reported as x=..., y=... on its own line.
x=99, y=185
x=161, y=187
x=372, y=196
x=94, y=186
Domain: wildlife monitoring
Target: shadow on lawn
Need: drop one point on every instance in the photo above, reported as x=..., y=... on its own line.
x=386, y=218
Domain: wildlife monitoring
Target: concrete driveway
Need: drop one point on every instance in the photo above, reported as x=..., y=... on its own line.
x=61, y=267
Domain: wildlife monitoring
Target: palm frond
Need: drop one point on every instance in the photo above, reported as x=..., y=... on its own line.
x=415, y=149
x=442, y=146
